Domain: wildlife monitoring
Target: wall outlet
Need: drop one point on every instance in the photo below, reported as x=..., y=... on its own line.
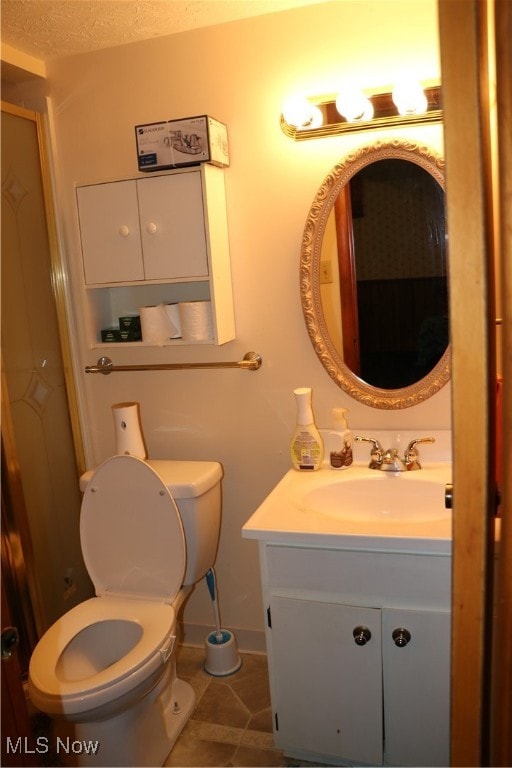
x=325, y=272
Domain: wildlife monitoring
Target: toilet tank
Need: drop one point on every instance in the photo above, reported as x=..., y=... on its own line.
x=195, y=486
x=196, y=489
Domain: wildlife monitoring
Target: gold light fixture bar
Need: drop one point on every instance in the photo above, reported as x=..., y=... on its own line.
x=385, y=116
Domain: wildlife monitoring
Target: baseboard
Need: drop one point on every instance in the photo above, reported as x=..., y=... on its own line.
x=248, y=640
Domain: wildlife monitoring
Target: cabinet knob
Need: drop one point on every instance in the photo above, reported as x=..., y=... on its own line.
x=151, y=227
x=401, y=636
x=362, y=635
x=124, y=231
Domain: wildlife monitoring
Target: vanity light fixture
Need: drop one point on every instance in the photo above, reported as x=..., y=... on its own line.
x=408, y=103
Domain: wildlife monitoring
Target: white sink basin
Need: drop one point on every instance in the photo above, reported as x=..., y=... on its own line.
x=383, y=496
x=358, y=508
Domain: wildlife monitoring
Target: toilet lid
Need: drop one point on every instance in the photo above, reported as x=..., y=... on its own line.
x=131, y=532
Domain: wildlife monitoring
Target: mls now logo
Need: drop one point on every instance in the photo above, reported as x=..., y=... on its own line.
x=22, y=746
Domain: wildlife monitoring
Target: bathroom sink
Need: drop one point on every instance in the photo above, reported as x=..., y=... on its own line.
x=358, y=508
x=385, y=496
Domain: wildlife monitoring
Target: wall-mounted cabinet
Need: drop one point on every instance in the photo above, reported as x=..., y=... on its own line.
x=157, y=239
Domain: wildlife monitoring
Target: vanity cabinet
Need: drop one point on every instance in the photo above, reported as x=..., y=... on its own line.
x=162, y=238
x=359, y=648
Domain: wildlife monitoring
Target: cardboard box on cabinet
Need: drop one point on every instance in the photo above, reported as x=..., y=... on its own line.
x=177, y=143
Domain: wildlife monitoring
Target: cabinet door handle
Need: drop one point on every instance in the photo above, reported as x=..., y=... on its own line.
x=151, y=228
x=401, y=636
x=124, y=231
x=362, y=635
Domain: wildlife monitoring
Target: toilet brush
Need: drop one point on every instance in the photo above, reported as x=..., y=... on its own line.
x=222, y=656
x=212, y=588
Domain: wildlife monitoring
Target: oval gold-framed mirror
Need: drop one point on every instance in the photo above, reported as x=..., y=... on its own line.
x=403, y=377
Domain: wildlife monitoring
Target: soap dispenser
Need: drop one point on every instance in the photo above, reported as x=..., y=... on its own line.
x=307, y=449
x=339, y=441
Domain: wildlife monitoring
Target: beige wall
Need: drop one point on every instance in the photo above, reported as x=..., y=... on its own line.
x=239, y=73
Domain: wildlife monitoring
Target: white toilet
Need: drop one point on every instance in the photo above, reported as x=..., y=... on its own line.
x=149, y=530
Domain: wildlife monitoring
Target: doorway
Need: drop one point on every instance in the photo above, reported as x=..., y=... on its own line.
x=43, y=449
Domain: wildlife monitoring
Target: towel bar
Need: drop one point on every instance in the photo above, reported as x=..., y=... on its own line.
x=251, y=362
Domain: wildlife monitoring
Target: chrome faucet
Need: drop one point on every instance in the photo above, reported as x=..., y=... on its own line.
x=390, y=461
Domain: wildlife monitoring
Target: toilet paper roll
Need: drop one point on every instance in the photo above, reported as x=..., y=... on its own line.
x=128, y=429
x=173, y=313
x=156, y=325
x=196, y=320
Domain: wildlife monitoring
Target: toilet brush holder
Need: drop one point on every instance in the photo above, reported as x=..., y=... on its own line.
x=222, y=657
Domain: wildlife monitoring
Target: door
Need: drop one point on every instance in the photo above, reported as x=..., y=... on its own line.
x=416, y=670
x=17, y=737
x=173, y=226
x=40, y=432
x=328, y=687
x=478, y=183
x=110, y=232
x=501, y=669
x=347, y=280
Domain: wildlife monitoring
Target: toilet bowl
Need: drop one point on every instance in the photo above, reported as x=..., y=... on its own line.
x=149, y=530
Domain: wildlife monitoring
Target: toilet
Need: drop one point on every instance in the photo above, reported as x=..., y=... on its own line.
x=149, y=530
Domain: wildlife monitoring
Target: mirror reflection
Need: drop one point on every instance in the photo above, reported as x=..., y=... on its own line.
x=386, y=238
x=374, y=275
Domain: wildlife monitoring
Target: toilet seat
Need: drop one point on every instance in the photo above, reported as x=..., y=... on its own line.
x=53, y=691
x=131, y=532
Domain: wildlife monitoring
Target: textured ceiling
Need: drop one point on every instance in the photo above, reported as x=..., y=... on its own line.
x=49, y=29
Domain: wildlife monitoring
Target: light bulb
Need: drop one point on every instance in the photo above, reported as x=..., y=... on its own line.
x=354, y=106
x=409, y=97
x=300, y=113
x=316, y=117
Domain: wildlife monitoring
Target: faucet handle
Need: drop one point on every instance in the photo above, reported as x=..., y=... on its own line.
x=412, y=454
x=377, y=451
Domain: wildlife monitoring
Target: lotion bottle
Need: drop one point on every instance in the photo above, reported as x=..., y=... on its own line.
x=307, y=449
x=339, y=441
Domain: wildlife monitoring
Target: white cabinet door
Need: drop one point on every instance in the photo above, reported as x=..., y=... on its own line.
x=173, y=226
x=327, y=690
x=416, y=688
x=143, y=229
x=110, y=232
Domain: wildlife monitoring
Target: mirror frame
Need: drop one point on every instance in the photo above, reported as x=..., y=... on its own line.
x=310, y=256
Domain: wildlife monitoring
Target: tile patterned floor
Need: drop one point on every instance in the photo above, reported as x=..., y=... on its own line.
x=231, y=725
x=232, y=722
